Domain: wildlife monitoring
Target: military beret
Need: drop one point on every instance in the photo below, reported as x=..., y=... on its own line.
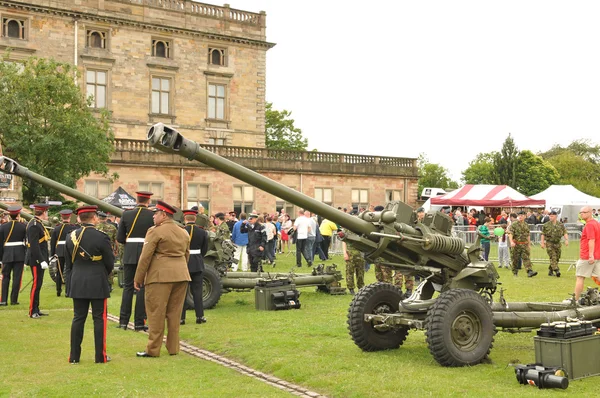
x=553, y=213
x=102, y=214
x=378, y=208
x=420, y=210
x=220, y=215
x=163, y=206
x=86, y=209
x=521, y=212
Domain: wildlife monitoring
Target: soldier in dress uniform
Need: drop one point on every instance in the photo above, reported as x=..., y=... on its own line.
x=37, y=255
x=198, y=248
x=131, y=233
x=88, y=260
x=57, y=245
x=111, y=231
x=257, y=241
x=520, y=242
x=163, y=269
x=12, y=254
x=552, y=232
x=223, y=230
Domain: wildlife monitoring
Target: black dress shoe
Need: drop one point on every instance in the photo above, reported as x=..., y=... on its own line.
x=143, y=354
x=201, y=320
x=14, y=303
x=74, y=362
x=40, y=313
x=122, y=326
x=58, y=293
x=141, y=328
x=108, y=359
x=182, y=322
x=35, y=315
x=4, y=304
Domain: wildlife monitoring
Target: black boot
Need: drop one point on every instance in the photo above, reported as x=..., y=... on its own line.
x=531, y=273
x=550, y=272
x=351, y=291
x=557, y=272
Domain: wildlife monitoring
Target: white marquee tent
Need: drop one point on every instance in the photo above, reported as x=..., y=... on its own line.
x=565, y=195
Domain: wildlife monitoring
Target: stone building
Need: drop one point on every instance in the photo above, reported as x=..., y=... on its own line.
x=201, y=69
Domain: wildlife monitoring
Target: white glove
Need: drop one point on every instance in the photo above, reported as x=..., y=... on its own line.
x=44, y=265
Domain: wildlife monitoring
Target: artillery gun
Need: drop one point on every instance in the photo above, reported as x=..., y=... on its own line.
x=216, y=277
x=460, y=323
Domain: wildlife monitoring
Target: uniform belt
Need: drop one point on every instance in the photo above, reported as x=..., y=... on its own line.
x=135, y=240
x=195, y=251
x=14, y=244
x=61, y=242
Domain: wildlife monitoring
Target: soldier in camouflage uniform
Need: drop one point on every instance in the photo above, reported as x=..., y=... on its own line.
x=409, y=282
x=105, y=226
x=520, y=243
x=222, y=228
x=552, y=232
x=355, y=265
x=383, y=273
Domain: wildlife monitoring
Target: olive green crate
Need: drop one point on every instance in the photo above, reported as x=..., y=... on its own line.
x=578, y=356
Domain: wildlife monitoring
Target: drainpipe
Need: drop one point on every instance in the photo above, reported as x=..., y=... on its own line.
x=75, y=50
x=181, y=188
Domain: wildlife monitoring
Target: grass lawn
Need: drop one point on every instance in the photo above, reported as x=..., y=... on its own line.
x=310, y=346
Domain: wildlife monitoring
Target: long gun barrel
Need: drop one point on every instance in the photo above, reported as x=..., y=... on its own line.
x=10, y=166
x=169, y=140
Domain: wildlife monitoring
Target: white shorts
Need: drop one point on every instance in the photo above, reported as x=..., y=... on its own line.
x=585, y=269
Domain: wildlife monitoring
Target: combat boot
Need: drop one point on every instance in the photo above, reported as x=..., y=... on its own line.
x=550, y=272
x=351, y=291
x=408, y=293
x=557, y=272
x=531, y=273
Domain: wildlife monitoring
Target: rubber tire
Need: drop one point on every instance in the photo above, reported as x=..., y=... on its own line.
x=439, y=324
x=368, y=299
x=212, y=288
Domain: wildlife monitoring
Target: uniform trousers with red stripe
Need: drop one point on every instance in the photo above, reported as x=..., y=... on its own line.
x=80, y=309
x=37, y=274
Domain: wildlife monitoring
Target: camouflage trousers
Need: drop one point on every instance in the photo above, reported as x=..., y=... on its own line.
x=355, y=266
x=384, y=274
x=553, y=250
x=520, y=252
x=409, y=281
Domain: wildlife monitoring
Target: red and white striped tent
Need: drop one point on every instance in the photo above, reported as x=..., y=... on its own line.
x=486, y=196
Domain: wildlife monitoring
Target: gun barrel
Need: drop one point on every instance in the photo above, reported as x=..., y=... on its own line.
x=169, y=140
x=25, y=215
x=12, y=167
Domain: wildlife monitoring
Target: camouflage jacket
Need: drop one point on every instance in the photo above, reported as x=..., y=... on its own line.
x=111, y=231
x=553, y=231
x=519, y=231
x=223, y=231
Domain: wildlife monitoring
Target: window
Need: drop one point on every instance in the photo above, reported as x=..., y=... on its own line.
x=97, y=189
x=161, y=48
x=216, y=141
x=155, y=187
x=243, y=199
x=216, y=101
x=95, y=81
x=360, y=199
x=198, y=194
x=95, y=39
x=393, y=195
x=324, y=195
x=216, y=56
x=161, y=92
x=282, y=204
x=13, y=27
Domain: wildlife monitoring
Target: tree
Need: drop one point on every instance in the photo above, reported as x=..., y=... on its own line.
x=46, y=125
x=505, y=163
x=533, y=174
x=281, y=132
x=481, y=170
x=433, y=175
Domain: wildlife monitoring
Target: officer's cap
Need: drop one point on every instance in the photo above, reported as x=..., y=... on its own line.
x=553, y=213
x=102, y=214
x=86, y=209
x=144, y=194
x=163, y=206
x=41, y=206
x=14, y=210
x=65, y=213
x=253, y=215
x=190, y=212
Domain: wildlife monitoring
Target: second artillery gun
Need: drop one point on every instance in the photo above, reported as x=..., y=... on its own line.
x=460, y=323
x=216, y=277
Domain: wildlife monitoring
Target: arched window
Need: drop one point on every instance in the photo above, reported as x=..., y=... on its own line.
x=14, y=28
x=160, y=48
x=216, y=56
x=96, y=39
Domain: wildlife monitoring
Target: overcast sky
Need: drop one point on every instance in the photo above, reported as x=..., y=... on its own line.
x=447, y=78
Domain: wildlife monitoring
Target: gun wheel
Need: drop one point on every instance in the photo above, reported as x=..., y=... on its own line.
x=212, y=288
x=377, y=298
x=460, y=328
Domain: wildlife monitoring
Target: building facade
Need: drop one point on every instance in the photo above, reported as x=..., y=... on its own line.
x=200, y=68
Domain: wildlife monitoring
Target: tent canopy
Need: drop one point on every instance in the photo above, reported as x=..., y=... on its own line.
x=560, y=195
x=486, y=195
x=120, y=198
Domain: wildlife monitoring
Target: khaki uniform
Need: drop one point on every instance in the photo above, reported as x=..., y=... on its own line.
x=163, y=270
x=520, y=235
x=553, y=232
x=355, y=265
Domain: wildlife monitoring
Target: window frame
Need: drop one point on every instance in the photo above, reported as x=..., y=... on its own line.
x=97, y=182
x=198, y=200
x=106, y=86
x=356, y=205
x=150, y=187
x=168, y=47
x=225, y=97
x=222, y=51
x=161, y=77
x=322, y=200
x=240, y=206
x=391, y=191
x=24, y=29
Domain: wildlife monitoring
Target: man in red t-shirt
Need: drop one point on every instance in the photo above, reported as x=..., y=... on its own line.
x=588, y=264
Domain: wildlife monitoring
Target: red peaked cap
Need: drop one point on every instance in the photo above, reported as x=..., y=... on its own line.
x=190, y=212
x=41, y=206
x=14, y=210
x=86, y=209
x=144, y=194
x=162, y=206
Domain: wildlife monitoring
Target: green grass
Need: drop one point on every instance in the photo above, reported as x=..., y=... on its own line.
x=310, y=346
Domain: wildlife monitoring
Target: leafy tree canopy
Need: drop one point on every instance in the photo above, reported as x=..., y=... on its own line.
x=281, y=132
x=46, y=125
x=433, y=175
x=481, y=170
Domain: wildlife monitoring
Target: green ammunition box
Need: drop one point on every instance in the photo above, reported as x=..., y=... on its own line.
x=577, y=356
x=279, y=294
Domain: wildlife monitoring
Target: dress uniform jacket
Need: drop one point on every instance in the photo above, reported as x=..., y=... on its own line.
x=257, y=236
x=86, y=276
x=58, y=238
x=37, y=242
x=12, y=242
x=141, y=220
x=165, y=255
x=198, y=247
